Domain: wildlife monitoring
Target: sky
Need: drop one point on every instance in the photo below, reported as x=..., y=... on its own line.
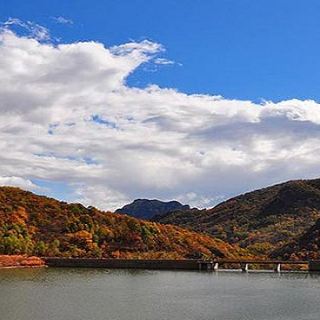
x=103, y=102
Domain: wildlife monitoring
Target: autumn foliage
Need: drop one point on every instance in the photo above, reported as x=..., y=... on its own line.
x=37, y=225
x=20, y=261
x=277, y=222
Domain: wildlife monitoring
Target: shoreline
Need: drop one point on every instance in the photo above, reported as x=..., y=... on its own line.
x=22, y=267
x=20, y=261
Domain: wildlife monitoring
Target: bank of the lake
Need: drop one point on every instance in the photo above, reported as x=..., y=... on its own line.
x=99, y=294
x=20, y=261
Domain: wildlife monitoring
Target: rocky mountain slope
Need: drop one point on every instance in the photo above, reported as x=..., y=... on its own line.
x=147, y=209
x=37, y=225
x=278, y=221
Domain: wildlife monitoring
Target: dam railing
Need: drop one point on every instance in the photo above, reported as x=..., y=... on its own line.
x=244, y=265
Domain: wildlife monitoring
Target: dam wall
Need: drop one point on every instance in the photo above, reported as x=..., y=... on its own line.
x=123, y=264
x=314, y=266
x=202, y=265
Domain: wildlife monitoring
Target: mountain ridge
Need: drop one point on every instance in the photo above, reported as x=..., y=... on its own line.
x=264, y=221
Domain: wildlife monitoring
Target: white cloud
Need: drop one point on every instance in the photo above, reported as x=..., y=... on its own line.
x=67, y=115
x=35, y=30
x=99, y=196
x=198, y=201
x=62, y=20
x=18, y=182
x=163, y=61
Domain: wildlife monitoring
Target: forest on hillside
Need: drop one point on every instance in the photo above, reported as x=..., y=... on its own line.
x=281, y=221
x=41, y=226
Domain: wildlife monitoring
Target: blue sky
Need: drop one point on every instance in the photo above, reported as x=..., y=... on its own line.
x=103, y=102
x=238, y=49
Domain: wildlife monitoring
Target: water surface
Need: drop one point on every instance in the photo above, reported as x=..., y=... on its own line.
x=96, y=294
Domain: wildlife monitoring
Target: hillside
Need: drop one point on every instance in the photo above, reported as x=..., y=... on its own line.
x=37, y=225
x=147, y=209
x=263, y=221
x=305, y=247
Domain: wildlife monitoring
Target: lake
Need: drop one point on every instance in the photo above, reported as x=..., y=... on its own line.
x=99, y=294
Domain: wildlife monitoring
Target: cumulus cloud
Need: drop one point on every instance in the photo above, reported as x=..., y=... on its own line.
x=99, y=195
x=67, y=115
x=18, y=182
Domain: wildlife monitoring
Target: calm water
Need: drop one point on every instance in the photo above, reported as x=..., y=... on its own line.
x=89, y=294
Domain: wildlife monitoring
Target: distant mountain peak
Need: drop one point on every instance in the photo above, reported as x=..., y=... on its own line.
x=147, y=209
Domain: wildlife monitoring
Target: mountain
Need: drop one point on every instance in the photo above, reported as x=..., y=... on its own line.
x=268, y=222
x=305, y=247
x=41, y=226
x=147, y=209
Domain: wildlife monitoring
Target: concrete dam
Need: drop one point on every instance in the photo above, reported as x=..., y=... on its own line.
x=201, y=265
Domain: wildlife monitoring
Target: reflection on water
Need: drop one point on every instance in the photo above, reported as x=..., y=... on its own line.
x=94, y=294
